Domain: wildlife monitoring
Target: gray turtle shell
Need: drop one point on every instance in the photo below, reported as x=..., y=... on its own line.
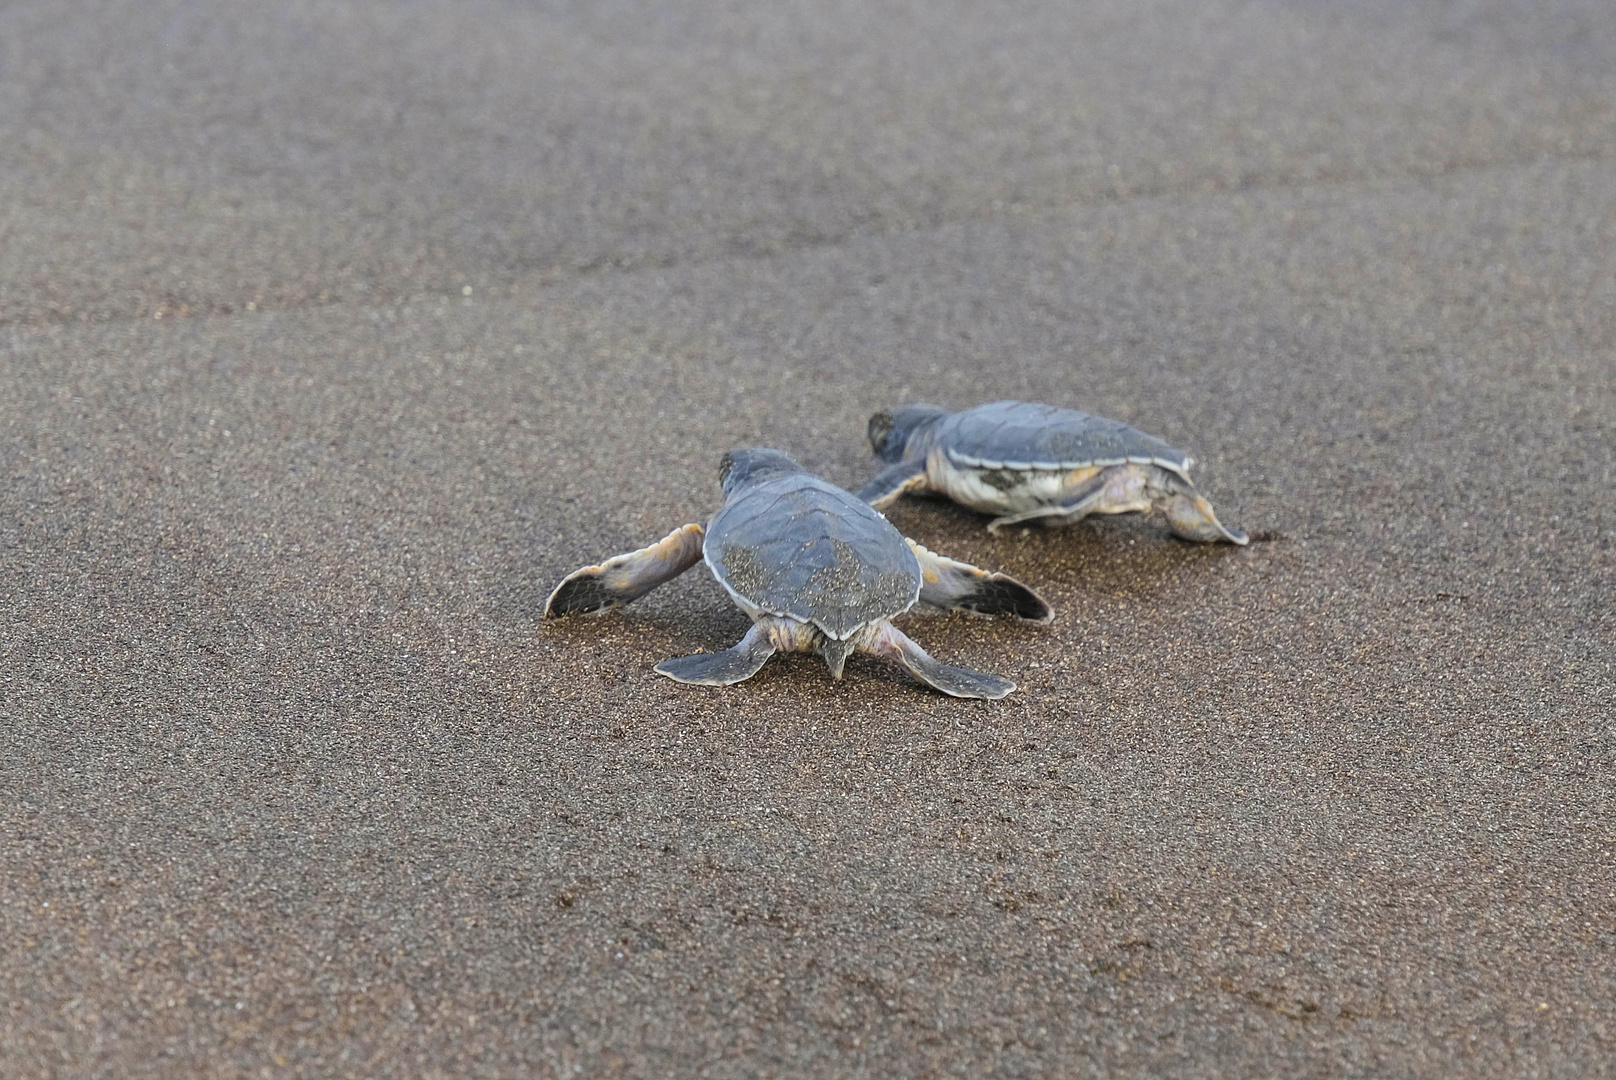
x=801, y=547
x=1019, y=435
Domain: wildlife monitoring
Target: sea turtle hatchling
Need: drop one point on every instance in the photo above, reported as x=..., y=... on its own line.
x=1037, y=463
x=816, y=569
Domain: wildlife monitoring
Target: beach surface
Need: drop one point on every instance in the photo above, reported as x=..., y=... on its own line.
x=333, y=336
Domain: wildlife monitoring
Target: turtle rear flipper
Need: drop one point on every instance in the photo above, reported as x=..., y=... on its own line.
x=948, y=583
x=624, y=578
x=890, y=642
x=735, y=664
x=1189, y=515
x=892, y=482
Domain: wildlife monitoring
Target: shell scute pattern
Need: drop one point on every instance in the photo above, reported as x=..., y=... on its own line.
x=799, y=546
x=1024, y=436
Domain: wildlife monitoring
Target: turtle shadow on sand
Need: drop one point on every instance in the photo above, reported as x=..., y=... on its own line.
x=698, y=617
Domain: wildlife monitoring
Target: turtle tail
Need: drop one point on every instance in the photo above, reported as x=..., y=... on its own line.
x=835, y=653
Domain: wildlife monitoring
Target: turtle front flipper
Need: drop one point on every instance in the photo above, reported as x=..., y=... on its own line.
x=624, y=578
x=1189, y=515
x=892, y=644
x=947, y=583
x=735, y=664
x=892, y=482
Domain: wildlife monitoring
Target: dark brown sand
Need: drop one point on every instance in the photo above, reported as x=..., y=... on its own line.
x=331, y=336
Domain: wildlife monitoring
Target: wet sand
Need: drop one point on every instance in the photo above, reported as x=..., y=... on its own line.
x=333, y=338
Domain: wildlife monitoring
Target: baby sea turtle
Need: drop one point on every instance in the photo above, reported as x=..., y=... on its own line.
x=818, y=571
x=1039, y=463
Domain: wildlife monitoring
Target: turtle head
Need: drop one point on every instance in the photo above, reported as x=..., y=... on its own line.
x=738, y=468
x=891, y=429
